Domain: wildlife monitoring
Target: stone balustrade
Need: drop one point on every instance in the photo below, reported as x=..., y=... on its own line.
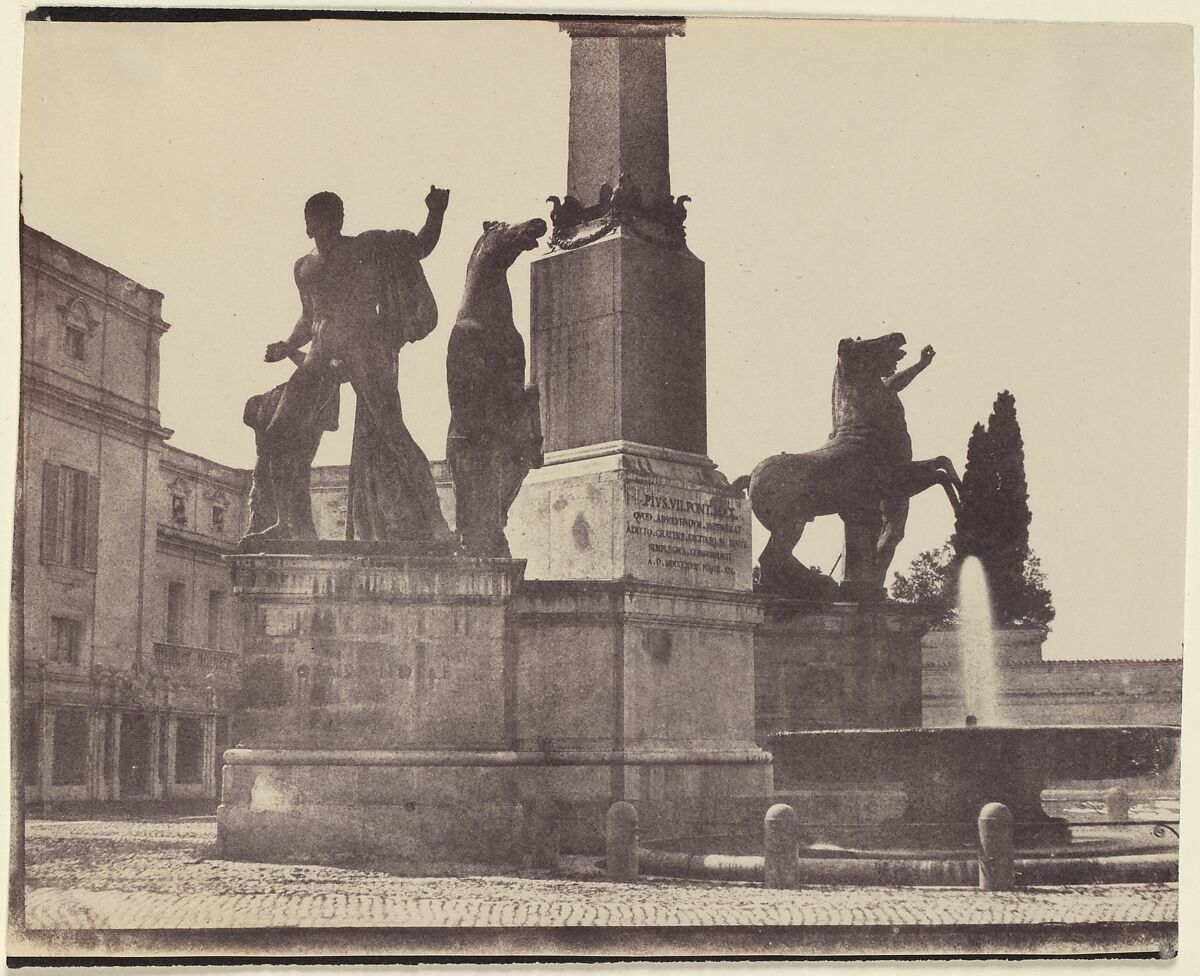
x=179, y=658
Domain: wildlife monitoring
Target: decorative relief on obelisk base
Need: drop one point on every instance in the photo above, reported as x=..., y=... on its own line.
x=658, y=221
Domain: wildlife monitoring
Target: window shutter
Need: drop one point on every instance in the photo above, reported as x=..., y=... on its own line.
x=50, y=538
x=93, y=521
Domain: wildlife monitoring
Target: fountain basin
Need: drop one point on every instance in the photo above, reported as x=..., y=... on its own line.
x=949, y=774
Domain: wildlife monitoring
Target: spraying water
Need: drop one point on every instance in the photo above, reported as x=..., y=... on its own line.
x=980, y=676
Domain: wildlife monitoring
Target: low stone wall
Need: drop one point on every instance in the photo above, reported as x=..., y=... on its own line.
x=1034, y=691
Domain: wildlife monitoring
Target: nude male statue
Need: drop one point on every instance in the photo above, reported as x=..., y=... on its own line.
x=362, y=297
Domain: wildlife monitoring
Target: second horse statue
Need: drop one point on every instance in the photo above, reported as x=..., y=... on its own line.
x=865, y=473
x=495, y=432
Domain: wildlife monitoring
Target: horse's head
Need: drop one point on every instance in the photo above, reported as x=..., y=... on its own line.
x=501, y=242
x=875, y=357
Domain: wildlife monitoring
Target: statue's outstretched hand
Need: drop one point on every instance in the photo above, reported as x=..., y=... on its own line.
x=437, y=200
x=927, y=355
x=276, y=352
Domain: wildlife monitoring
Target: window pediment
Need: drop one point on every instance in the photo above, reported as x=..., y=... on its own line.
x=77, y=324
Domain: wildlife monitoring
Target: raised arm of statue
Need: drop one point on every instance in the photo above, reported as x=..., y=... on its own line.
x=436, y=201
x=905, y=376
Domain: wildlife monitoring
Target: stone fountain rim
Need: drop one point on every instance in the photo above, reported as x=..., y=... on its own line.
x=976, y=730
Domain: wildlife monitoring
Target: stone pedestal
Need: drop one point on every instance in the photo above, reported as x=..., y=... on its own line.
x=622, y=511
x=374, y=652
x=378, y=709
x=837, y=666
x=644, y=693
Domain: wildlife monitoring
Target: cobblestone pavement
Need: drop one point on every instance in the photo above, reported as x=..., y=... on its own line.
x=163, y=874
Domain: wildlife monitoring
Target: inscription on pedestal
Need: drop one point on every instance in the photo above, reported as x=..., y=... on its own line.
x=682, y=531
x=685, y=531
x=632, y=516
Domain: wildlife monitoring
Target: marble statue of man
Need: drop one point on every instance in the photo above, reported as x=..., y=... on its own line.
x=362, y=297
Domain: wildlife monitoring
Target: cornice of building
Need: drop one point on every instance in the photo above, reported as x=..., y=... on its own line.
x=335, y=477
x=1136, y=662
x=103, y=298
x=39, y=264
x=176, y=460
x=186, y=543
x=104, y=408
x=149, y=687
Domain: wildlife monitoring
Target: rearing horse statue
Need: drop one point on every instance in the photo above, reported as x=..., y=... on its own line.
x=865, y=473
x=495, y=434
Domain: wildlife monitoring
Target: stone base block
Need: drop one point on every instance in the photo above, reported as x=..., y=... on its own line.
x=836, y=665
x=680, y=796
x=624, y=511
x=440, y=806
x=346, y=806
x=353, y=651
x=616, y=341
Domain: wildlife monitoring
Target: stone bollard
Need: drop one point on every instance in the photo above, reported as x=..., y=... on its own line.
x=996, y=869
x=1117, y=804
x=781, y=830
x=621, y=831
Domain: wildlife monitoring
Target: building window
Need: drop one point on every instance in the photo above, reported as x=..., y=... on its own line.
x=176, y=594
x=77, y=327
x=216, y=617
x=70, y=747
x=70, y=516
x=75, y=341
x=189, y=742
x=218, y=518
x=178, y=509
x=66, y=640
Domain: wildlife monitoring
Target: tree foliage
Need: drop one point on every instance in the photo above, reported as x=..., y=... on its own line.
x=993, y=525
x=929, y=583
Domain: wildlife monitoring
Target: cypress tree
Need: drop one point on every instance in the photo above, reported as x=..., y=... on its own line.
x=993, y=525
x=1008, y=547
x=974, y=526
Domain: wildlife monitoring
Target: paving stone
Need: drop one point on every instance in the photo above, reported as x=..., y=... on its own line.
x=164, y=874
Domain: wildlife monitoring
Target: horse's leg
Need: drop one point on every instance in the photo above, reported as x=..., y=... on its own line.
x=862, y=536
x=776, y=559
x=917, y=476
x=952, y=491
x=944, y=464
x=894, y=509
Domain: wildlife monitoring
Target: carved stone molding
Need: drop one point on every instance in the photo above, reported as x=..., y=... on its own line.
x=657, y=222
x=623, y=26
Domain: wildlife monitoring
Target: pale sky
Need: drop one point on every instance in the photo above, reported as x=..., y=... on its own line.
x=1018, y=195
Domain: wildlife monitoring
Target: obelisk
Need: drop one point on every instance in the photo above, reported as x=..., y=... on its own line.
x=617, y=345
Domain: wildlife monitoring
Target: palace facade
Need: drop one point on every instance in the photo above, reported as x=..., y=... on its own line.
x=127, y=642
